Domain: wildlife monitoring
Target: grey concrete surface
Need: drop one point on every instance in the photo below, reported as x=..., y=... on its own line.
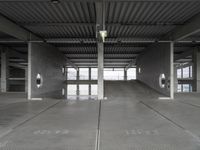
x=47, y=61
x=15, y=110
x=153, y=62
x=69, y=125
x=132, y=118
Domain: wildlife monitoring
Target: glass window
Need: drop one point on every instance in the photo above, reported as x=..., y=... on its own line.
x=186, y=72
x=94, y=89
x=114, y=73
x=94, y=73
x=131, y=74
x=179, y=89
x=190, y=71
x=179, y=73
x=186, y=88
x=71, y=89
x=190, y=87
x=84, y=73
x=83, y=89
x=71, y=74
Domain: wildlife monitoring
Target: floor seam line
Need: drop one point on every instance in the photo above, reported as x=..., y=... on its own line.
x=163, y=115
x=97, y=144
x=34, y=116
x=29, y=119
x=184, y=129
x=189, y=104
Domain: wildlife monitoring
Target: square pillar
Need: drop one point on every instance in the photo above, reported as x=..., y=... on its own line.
x=100, y=48
x=4, y=70
x=125, y=74
x=77, y=78
x=172, y=70
x=66, y=83
x=196, y=70
x=90, y=78
x=175, y=79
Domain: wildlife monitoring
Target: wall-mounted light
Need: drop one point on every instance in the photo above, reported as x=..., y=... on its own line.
x=162, y=80
x=63, y=91
x=63, y=70
x=39, y=80
x=103, y=34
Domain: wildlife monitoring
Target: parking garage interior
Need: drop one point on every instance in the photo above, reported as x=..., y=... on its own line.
x=100, y=74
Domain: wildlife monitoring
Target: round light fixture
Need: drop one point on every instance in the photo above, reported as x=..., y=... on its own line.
x=162, y=80
x=39, y=80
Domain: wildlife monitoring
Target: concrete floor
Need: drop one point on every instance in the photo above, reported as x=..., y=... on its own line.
x=132, y=118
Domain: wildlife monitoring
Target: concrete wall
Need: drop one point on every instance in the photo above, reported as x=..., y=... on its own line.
x=154, y=61
x=47, y=61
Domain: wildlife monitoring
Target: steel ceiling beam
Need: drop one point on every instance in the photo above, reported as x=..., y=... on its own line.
x=101, y=1
x=17, y=65
x=183, y=55
x=71, y=63
x=92, y=41
x=18, y=54
x=190, y=28
x=14, y=30
x=14, y=53
x=130, y=64
x=106, y=24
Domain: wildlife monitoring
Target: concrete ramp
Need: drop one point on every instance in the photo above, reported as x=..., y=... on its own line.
x=128, y=89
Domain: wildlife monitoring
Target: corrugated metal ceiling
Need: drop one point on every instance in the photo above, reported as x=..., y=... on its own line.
x=151, y=19
x=125, y=21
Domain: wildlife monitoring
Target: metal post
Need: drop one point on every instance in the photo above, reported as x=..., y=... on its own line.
x=175, y=79
x=77, y=78
x=4, y=70
x=90, y=81
x=196, y=70
x=100, y=47
x=125, y=74
x=172, y=70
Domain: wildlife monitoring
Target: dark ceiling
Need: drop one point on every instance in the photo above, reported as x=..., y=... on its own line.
x=71, y=26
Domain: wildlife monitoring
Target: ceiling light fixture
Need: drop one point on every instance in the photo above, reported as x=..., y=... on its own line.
x=103, y=34
x=55, y=1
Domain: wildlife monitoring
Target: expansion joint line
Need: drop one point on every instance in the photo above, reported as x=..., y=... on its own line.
x=97, y=142
x=173, y=122
x=27, y=120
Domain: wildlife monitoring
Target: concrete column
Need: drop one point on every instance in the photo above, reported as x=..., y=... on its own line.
x=90, y=80
x=29, y=70
x=66, y=83
x=125, y=74
x=172, y=70
x=196, y=70
x=175, y=79
x=100, y=48
x=77, y=78
x=4, y=70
